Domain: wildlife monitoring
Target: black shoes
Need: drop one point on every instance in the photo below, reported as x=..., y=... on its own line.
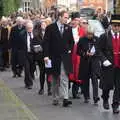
x=28, y=87
x=106, y=105
x=55, y=102
x=16, y=74
x=41, y=92
x=115, y=108
x=86, y=101
x=49, y=93
x=96, y=100
x=76, y=96
x=66, y=103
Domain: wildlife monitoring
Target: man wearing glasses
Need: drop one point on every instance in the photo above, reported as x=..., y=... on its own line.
x=109, y=45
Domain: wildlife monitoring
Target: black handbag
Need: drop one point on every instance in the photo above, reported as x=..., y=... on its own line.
x=37, y=48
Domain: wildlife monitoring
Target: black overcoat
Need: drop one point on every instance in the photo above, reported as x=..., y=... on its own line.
x=106, y=51
x=57, y=47
x=16, y=45
x=87, y=63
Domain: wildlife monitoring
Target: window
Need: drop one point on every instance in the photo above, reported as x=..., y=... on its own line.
x=27, y=6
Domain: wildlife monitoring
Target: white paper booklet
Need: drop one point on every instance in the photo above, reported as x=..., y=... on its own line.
x=48, y=64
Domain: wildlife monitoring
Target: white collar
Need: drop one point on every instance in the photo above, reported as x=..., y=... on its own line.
x=113, y=34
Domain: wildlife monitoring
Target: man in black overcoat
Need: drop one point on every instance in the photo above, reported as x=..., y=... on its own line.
x=58, y=42
x=27, y=37
x=16, y=49
x=109, y=45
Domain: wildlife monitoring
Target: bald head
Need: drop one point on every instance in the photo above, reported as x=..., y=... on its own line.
x=29, y=26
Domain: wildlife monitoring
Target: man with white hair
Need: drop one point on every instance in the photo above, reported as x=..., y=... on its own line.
x=26, y=37
x=89, y=64
x=16, y=50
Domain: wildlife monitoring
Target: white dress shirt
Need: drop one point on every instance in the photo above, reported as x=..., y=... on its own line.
x=75, y=34
x=28, y=42
x=113, y=34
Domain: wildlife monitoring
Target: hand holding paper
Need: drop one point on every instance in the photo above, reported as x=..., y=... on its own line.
x=48, y=64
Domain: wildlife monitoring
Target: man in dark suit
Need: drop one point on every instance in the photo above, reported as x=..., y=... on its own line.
x=16, y=49
x=110, y=55
x=26, y=37
x=58, y=42
x=4, y=34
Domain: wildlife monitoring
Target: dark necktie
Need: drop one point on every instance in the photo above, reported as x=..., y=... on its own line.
x=29, y=33
x=115, y=35
x=61, y=30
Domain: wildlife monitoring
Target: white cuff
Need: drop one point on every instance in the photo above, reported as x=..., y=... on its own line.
x=107, y=63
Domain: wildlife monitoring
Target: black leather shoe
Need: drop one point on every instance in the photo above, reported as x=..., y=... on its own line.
x=29, y=87
x=49, y=93
x=14, y=75
x=106, y=105
x=86, y=101
x=41, y=92
x=76, y=97
x=55, y=102
x=19, y=75
x=66, y=103
x=96, y=100
x=115, y=108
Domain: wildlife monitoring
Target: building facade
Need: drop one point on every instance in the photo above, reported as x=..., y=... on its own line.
x=26, y=5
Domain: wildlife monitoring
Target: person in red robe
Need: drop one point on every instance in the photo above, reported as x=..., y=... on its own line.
x=75, y=58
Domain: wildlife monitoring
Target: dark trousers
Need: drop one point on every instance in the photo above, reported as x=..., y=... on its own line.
x=116, y=94
x=4, y=58
x=94, y=80
x=41, y=65
x=75, y=88
x=85, y=89
x=29, y=68
x=1, y=59
x=17, y=61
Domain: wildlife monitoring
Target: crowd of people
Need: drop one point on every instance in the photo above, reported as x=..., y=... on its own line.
x=67, y=52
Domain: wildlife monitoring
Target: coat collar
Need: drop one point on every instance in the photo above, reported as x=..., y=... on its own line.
x=57, y=29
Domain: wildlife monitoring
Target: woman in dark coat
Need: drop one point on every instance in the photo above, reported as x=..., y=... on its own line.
x=37, y=44
x=89, y=64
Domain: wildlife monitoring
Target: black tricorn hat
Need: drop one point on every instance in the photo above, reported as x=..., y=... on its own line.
x=75, y=15
x=115, y=19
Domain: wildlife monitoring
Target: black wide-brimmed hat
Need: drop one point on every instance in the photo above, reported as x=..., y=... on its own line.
x=75, y=15
x=115, y=19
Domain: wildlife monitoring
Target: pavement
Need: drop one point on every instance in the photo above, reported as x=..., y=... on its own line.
x=19, y=103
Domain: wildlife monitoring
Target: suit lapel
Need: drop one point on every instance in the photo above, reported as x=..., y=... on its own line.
x=25, y=37
x=57, y=30
x=110, y=40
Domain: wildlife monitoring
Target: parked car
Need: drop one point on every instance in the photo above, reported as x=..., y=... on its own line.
x=87, y=13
